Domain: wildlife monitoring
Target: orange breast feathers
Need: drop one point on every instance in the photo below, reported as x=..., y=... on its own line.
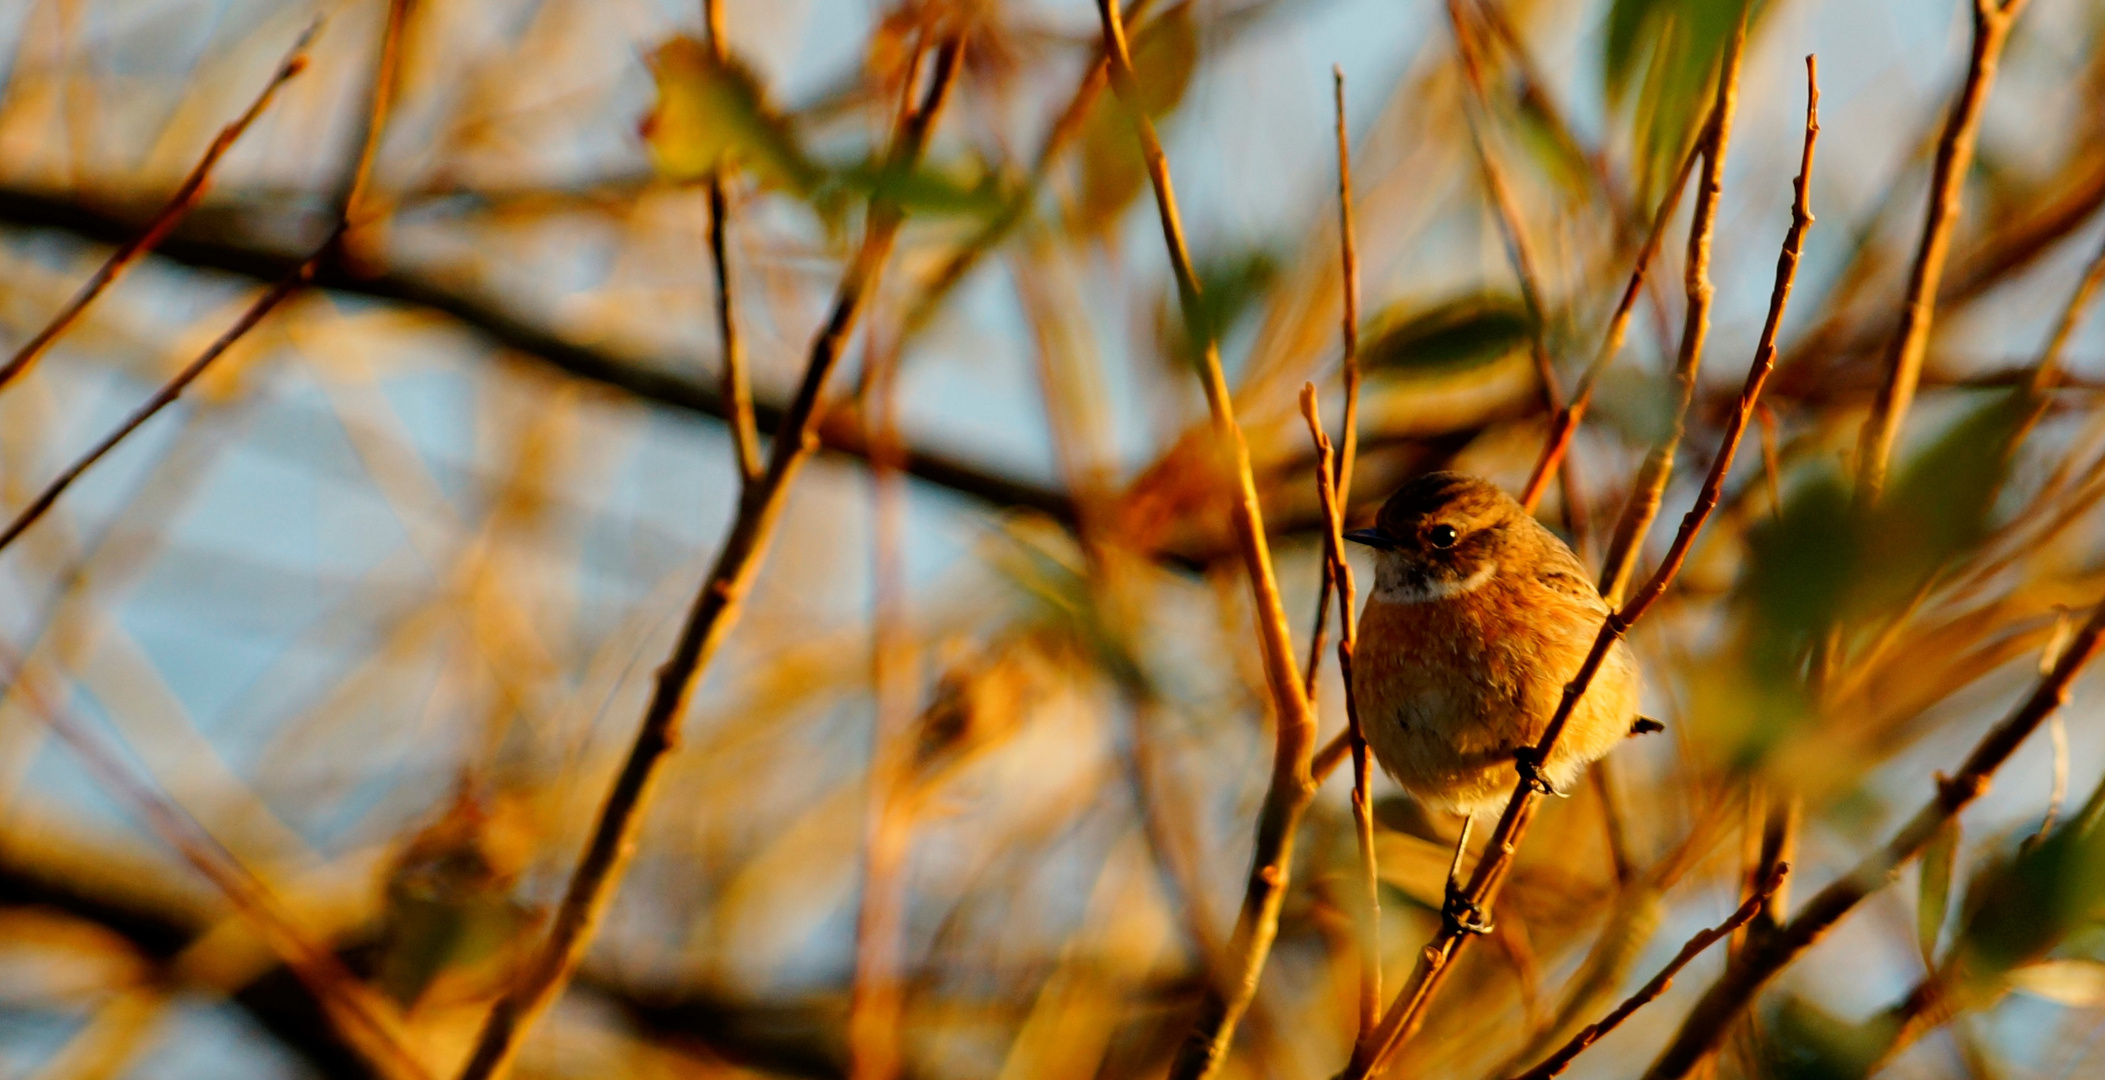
x=1449, y=687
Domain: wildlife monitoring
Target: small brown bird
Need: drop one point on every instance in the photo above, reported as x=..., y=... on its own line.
x=1478, y=617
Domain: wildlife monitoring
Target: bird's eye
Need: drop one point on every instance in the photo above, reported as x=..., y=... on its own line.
x=1442, y=536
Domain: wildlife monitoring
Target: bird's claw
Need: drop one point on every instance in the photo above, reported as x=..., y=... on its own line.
x=1461, y=915
x=1528, y=761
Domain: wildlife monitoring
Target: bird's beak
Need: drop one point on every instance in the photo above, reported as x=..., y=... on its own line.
x=1373, y=538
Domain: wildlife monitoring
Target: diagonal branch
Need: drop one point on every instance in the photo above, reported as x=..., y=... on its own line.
x=1291, y=787
x=1706, y=1025
x=1436, y=959
x=1650, y=487
x=178, y=207
x=1556, y=1063
x=364, y=1023
x=716, y=608
x=645, y=378
x=1992, y=21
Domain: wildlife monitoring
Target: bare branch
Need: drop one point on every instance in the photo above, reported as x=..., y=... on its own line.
x=716, y=608
x=1291, y=787
x=1903, y=366
x=1435, y=960
x=1556, y=1063
x=186, y=197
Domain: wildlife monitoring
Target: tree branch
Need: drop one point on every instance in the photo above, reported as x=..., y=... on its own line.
x=716, y=608
x=1291, y=787
x=1436, y=959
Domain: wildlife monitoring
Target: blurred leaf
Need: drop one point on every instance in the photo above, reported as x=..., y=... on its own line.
x=1933, y=896
x=1676, y=44
x=929, y=191
x=712, y=112
x=1230, y=286
x=1940, y=505
x=2078, y=984
x=2023, y=905
x=1806, y=1042
x=1460, y=333
x=1165, y=53
x=449, y=897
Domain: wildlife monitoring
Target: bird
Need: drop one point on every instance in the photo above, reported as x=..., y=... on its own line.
x=1478, y=618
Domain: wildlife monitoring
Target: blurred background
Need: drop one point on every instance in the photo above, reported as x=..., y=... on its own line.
x=379, y=602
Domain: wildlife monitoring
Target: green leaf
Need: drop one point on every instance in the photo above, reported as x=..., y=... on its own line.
x=1933, y=892
x=1165, y=54
x=1676, y=45
x=713, y=113
x=1230, y=287
x=1464, y=332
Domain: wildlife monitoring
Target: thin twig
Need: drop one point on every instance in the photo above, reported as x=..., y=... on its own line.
x=1291, y=788
x=1436, y=959
x=1348, y=446
x=1567, y=420
x=263, y=305
x=383, y=102
x=716, y=608
x=363, y=1020
x=1556, y=1063
x=735, y=386
x=875, y=996
x=1642, y=506
x=186, y=197
x=1714, y=1014
x=1369, y=915
x=1992, y=20
x=376, y=118
x=1514, y=230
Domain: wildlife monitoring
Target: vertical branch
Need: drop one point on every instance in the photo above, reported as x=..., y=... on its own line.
x=736, y=386
x=186, y=197
x=1348, y=445
x=1992, y=20
x=876, y=996
x=383, y=101
x=1650, y=487
x=1291, y=787
x=1369, y=916
x=715, y=609
x=1436, y=959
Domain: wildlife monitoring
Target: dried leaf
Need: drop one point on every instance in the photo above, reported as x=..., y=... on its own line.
x=2078, y=984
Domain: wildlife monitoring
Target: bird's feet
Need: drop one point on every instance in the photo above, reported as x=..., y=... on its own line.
x=1528, y=761
x=1461, y=915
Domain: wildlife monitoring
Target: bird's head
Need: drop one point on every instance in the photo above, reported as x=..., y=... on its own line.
x=1444, y=534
